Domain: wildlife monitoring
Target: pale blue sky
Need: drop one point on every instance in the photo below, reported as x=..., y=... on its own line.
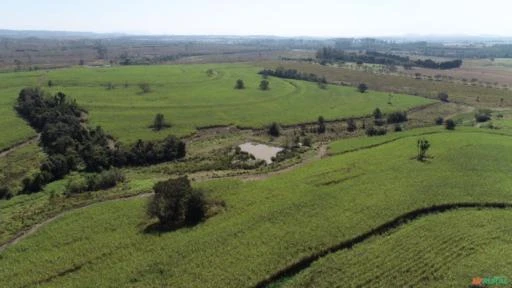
x=263, y=17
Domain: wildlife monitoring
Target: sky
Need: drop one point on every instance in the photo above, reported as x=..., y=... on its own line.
x=323, y=18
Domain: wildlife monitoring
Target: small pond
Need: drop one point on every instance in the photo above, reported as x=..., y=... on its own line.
x=261, y=151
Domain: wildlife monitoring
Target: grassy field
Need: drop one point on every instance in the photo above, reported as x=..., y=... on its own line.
x=270, y=224
x=190, y=98
x=422, y=254
x=464, y=94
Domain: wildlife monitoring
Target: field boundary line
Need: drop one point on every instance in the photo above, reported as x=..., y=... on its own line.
x=397, y=222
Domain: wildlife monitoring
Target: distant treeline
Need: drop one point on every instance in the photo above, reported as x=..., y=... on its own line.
x=329, y=54
x=72, y=146
x=281, y=72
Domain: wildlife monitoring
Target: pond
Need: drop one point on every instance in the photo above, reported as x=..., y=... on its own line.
x=261, y=151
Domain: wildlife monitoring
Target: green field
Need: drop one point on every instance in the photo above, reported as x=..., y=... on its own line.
x=422, y=254
x=273, y=223
x=190, y=98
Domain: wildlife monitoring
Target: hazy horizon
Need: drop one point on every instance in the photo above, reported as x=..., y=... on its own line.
x=323, y=18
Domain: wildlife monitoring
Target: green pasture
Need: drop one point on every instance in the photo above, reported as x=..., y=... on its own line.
x=273, y=223
x=189, y=98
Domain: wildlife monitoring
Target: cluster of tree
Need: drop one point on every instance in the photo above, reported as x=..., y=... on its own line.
x=423, y=146
x=94, y=182
x=372, y=131
x=397, y=117
x=330, y=54
x=177, y=204
x=281, y=72
x=72, y=146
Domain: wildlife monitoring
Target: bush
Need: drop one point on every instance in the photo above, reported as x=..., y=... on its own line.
x=439, y=121
x=483, y=116
x=274, y=130
x=104, y=180
x=372, y=131
x=398, y=128
x=307, y=141
x=397, y=117
x=144, y=87
x=240, y=84
x=175, y=203
x=264, y=85
x=443, y=96
x=321, y=125
x=450, y=124
x=159, y=122
x=5, y=193
x=351, y=125
x=362, y=88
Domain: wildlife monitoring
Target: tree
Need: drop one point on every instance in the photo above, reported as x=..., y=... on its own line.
x=443, y=96
x=5, y=193
x=240, y=84
x=159, y=122
x=423, y=146
x=50, y=83
x=377, y=114
x=362, y=88
x=321, y=125
x=145, y=87
x=351, y=125
x=175, y=203
x=264, y=85
x=439, y=121
x=450, y=124
x=274, y=130
x=397, y=117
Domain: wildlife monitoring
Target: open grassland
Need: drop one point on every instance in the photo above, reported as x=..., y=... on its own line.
x=423, y=253
x=477, y=95
x=189, y=97
x=270, y=224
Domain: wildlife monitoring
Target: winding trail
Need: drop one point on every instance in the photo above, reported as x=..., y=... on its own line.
x=304, y=263
x=322, y=151
x=24, y=234
x=20, y=145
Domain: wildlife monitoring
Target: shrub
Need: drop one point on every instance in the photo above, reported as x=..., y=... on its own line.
x=307, y=141
x=372, y=131
x=104, y=180
x=398, y=128
x=175, y=203
x=397, y=117
x=145, y=87
x=450, y=124
x=274, y=130
x=483, y=116
x=362, y=88
x=439, y=121
x=423, y=146
x=159, y=122
x=240, y=84
x=5, y=193
x=377, y=114
x=264, y=85
x=321, y=125
x=351, y=125
x=443, y=96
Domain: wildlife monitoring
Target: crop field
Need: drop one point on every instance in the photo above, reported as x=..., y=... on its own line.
x=271, y=224
x=190, y=98
x=422, y=254
x=477, y=96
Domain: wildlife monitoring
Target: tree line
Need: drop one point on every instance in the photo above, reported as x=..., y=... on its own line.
x=329, y=54
x=281, y=72
x=73, y=146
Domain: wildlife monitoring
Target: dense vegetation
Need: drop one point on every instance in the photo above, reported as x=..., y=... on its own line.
x=328, y=54
x=72, y=146
x=292, y=74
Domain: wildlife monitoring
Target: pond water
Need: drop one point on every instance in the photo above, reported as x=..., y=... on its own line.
x=261, y=151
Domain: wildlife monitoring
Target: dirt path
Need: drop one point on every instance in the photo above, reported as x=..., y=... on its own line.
x=24, y=234
x=322, y=151
x=19, y=146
